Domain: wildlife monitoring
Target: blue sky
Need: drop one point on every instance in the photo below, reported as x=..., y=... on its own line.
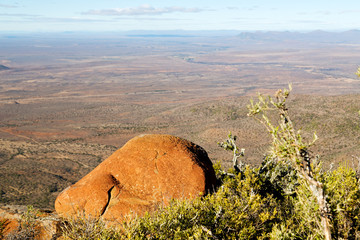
x=121, y=15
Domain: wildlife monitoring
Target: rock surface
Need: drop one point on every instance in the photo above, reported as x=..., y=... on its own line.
x=47, y=224
x=146, y=172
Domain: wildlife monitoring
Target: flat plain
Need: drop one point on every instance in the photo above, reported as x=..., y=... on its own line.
x=67, y=101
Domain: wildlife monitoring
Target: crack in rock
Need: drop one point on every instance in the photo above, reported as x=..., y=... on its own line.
x=158, y=156
x=108, y=202
x=110, y=194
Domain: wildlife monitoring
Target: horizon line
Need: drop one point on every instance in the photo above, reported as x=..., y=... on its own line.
x=181, y=30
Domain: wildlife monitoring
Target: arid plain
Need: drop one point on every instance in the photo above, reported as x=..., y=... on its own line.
x=67, y=101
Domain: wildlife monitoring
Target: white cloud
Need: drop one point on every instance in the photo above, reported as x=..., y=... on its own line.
x=141, y=10
x=7, y=6
x=66, y=20
x=17, y=15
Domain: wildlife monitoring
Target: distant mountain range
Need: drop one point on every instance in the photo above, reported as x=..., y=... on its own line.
x=318, y=36
x=352, y=36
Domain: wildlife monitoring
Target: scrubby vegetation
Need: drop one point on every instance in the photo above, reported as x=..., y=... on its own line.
x=85, y=227
x=289, y=196
x=28, y=226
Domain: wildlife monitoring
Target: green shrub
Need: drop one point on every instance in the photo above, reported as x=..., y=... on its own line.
x=289, y=149
x=235, y=211
x=87, y=228
x=28, y=226
x=342, y=188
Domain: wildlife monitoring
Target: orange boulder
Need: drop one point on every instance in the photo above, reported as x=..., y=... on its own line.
x=147, y=171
